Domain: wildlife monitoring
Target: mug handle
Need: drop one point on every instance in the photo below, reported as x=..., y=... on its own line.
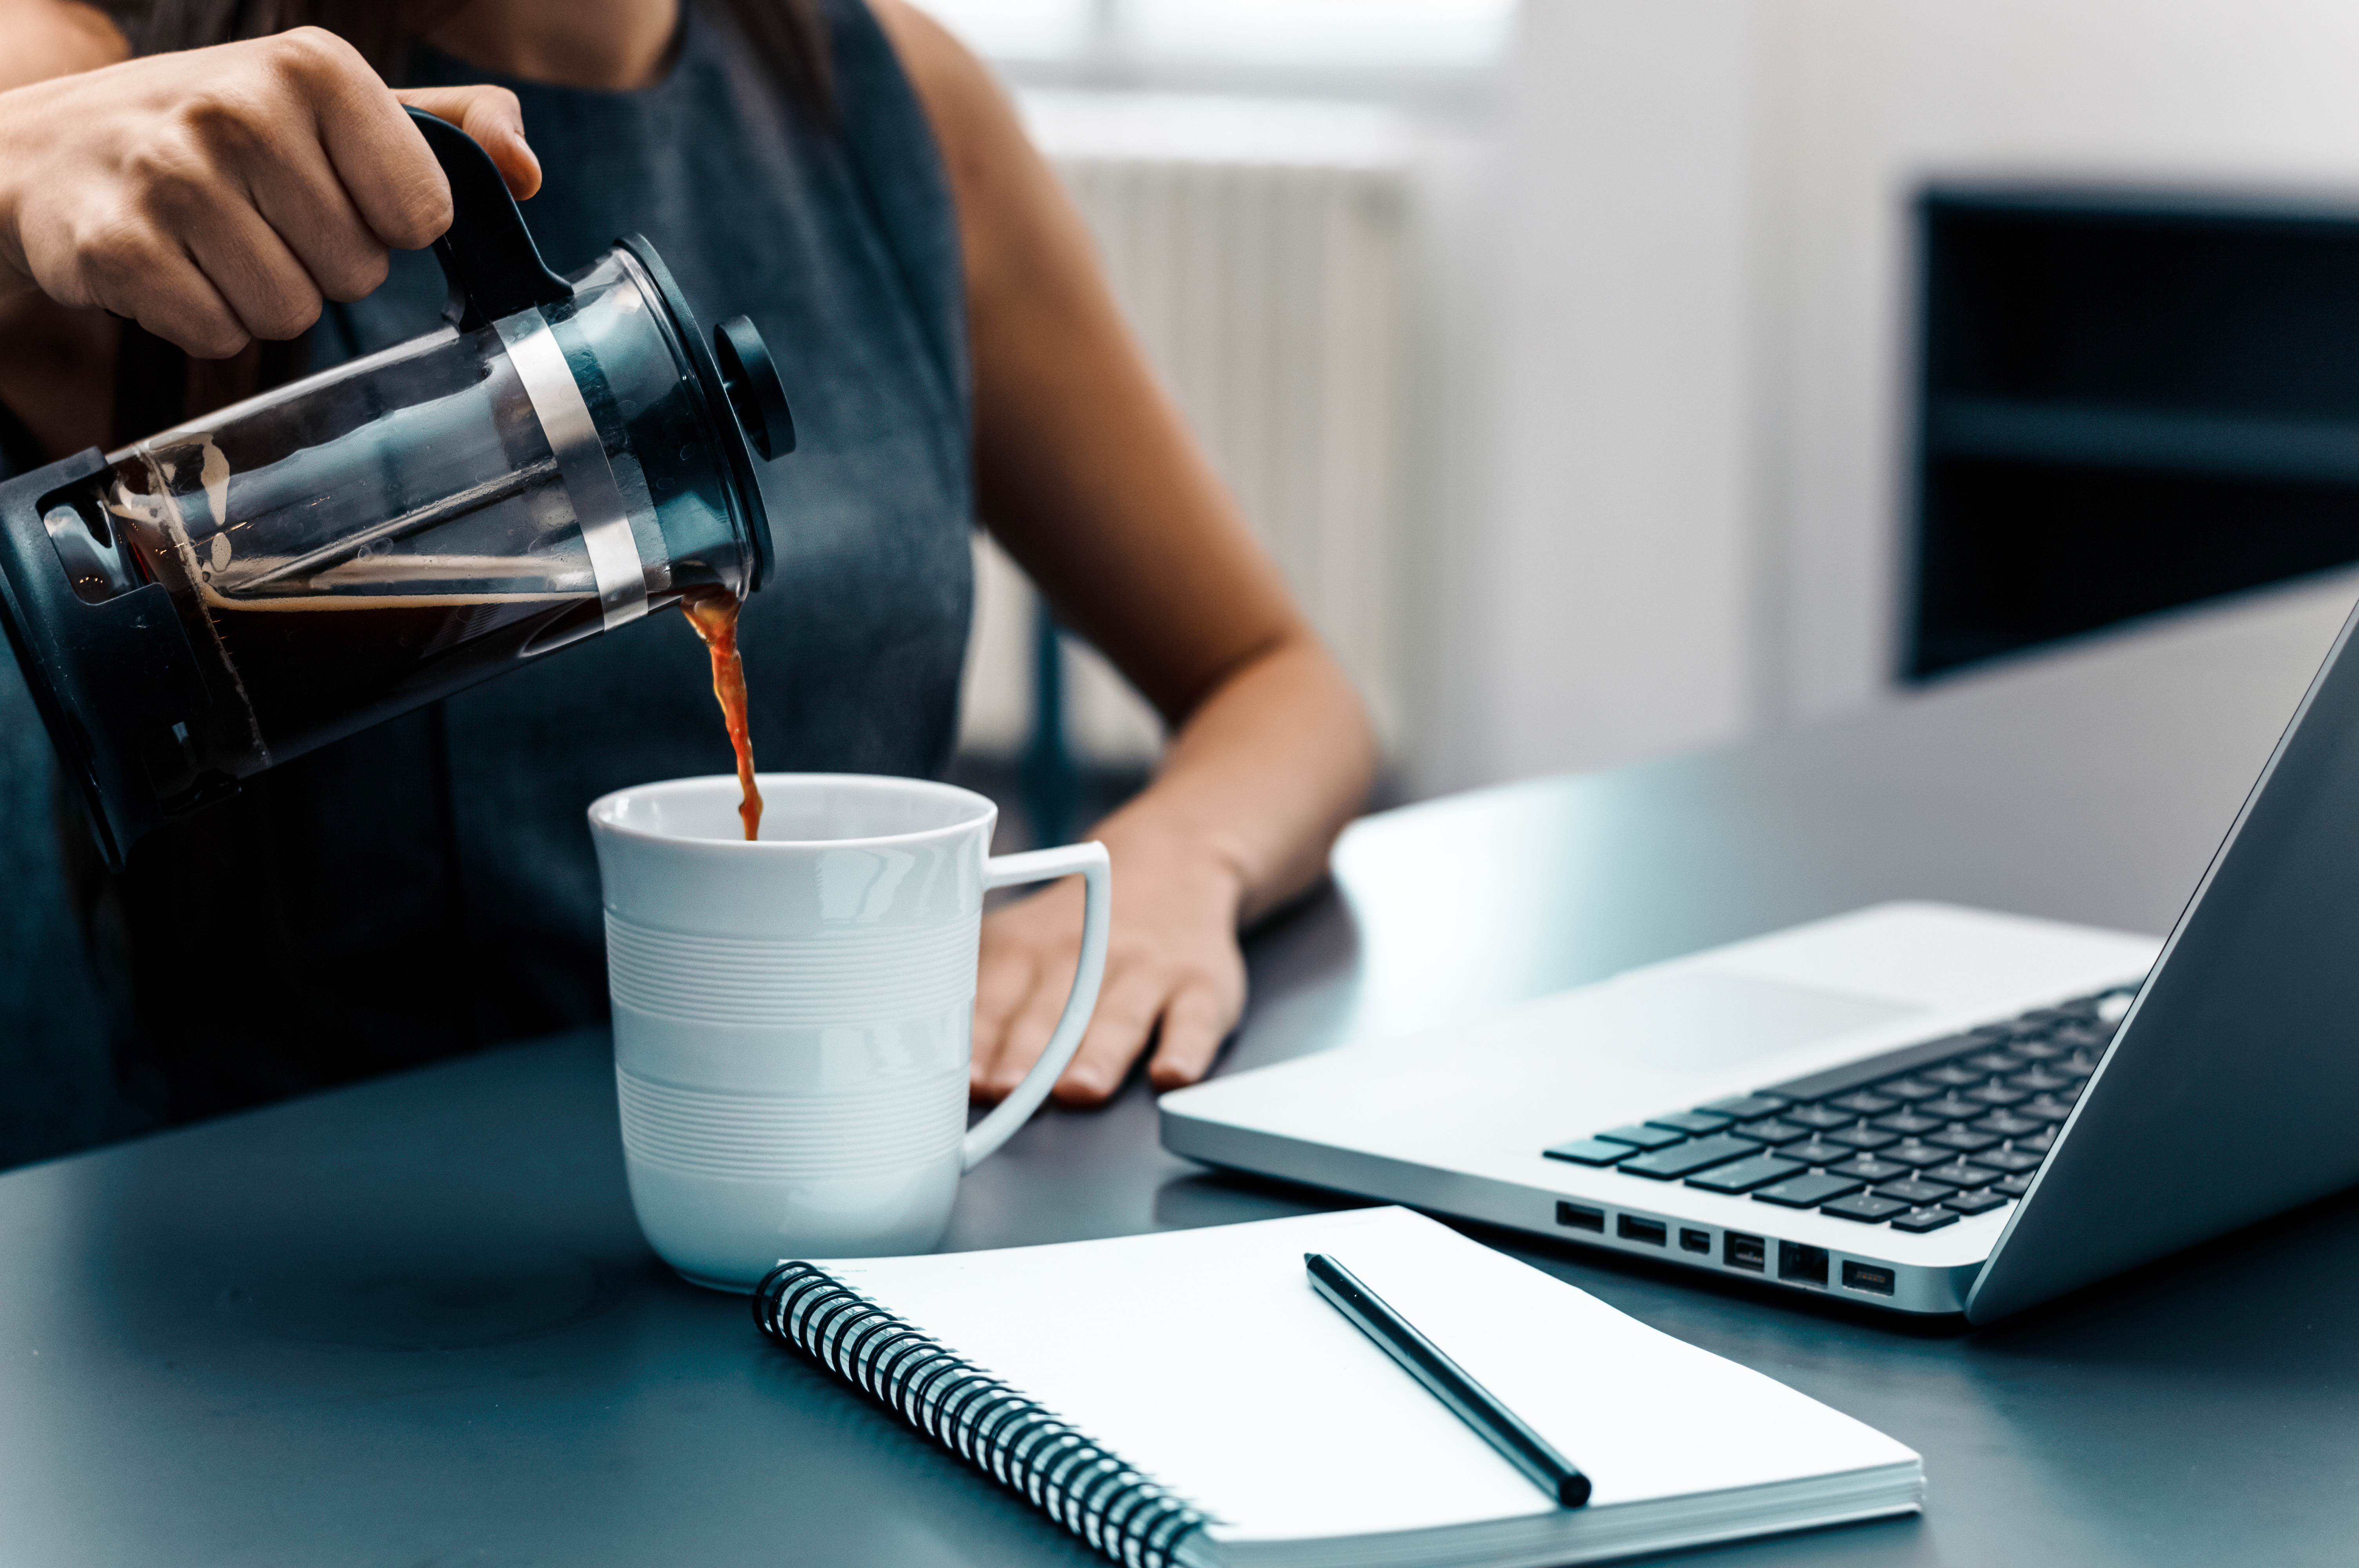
x=1097, y=894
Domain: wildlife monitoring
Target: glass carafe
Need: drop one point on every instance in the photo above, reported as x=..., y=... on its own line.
x=565, y=455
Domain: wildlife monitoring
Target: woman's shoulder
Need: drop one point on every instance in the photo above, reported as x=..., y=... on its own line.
x=993, y=174
x=944, y=72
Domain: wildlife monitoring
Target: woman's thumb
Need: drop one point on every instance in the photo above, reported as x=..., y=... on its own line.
x=491, y=116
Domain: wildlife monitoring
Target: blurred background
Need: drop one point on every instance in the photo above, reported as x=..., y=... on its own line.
x=1619, y=376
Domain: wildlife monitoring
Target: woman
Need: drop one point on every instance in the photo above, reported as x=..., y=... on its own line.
x=850, y=176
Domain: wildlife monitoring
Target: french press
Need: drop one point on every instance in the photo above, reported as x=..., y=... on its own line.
x=563, y=456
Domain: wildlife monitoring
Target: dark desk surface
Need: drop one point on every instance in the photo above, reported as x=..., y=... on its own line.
x=413, y=1322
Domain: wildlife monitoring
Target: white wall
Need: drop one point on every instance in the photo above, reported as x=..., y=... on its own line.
x=1701, y=328
x=1605, y=609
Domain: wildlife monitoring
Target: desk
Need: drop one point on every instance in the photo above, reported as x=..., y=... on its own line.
x=413, y=1322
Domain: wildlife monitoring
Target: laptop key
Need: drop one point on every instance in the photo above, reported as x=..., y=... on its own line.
x=1994, y=1061
x=1916, y=1191
x=1916, y=1151
x=2039, y=1049
x=2038, y=1142
x=1817, y=1115
x=2040, y=1080
x=1962, y=1139
x=1952, y=1108
x=2045, y=1108
x=1590, y=1151
x=2012, y=1160
x=1866, y=1207
x=1974, y=1203
x=1869, y=1168
x=1859, y=1102
x=1774, y=1129
x=1952, y=1076
x=1641, y=1137
x=1810, y=1191
x=2007, y=1124
x=1691, y=1120
x=1908, y=1122
x=1910, y=1088
x=1998, y=1094
x=1957, y=1173
x=1743, y=1105
x=2012, y=1186
x=1863, y=1137
x=1817, y=1152
x=1666, y=1164
x=1743, y=1176
x=1922, y=1219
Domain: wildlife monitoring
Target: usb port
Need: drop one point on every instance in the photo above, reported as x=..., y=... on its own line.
x=1739, y=1250
x=1866, y=1277
x=1580, y=1217
x=1691, y=1240
x=1653, y=1232
x=1803, y=1265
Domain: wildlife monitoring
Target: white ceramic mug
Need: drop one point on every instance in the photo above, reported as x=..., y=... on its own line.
x=793, y=1016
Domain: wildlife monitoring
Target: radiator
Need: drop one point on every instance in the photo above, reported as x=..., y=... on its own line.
x=1261, y=251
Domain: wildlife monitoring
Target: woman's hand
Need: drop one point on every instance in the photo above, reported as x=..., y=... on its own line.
x=220, y=195
x=1174, y=973
x=1253, y=790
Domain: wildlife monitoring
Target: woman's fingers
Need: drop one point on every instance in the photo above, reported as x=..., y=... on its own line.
x=1195, y=1021
x=300, y=195
x=1028, y=1030
x=494, y=117
x=166, y=293
x=1002, y=987
x=257, y=276
x=1128, y=1004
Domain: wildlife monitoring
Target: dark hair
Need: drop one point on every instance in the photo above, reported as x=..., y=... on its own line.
x=787, y=38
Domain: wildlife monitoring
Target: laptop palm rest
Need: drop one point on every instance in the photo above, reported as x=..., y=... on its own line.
x=1690, y=1019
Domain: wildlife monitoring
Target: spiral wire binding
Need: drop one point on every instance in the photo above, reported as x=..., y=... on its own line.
x=1118, y=1511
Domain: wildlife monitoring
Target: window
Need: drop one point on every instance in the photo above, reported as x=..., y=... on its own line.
x=1132, y=42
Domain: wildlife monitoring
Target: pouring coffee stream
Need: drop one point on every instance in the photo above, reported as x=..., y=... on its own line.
x=563, y=456
x=714, y=614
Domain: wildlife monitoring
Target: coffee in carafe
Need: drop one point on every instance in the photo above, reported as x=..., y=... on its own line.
x=564, y=455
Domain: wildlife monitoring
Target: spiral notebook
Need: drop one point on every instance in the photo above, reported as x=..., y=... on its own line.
x=1186, y=1398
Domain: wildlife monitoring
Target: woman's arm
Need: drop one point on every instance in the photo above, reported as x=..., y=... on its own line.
x=54, y=37
x=1088, y=476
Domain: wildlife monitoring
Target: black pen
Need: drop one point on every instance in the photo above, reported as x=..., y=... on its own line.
x=1476, y=1405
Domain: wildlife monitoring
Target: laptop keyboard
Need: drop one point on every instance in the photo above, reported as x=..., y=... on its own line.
x=1913, y=1139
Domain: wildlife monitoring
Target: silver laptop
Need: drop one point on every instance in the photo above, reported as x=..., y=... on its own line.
x=1915, y=1107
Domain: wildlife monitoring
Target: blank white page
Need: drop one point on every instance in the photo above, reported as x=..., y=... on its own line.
x=1205, y=1358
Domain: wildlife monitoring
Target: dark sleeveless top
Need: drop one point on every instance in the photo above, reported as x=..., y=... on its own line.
x=428, y=885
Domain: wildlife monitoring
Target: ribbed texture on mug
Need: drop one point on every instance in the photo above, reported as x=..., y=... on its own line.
x=885, y=1126
x=877, y=975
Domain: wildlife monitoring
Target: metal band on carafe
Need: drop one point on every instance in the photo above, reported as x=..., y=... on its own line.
x=572, y=435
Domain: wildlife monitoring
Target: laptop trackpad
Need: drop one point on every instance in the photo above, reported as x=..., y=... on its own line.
x=1694, y=1020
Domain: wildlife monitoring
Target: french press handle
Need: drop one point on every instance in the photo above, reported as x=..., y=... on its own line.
x=487, y=254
